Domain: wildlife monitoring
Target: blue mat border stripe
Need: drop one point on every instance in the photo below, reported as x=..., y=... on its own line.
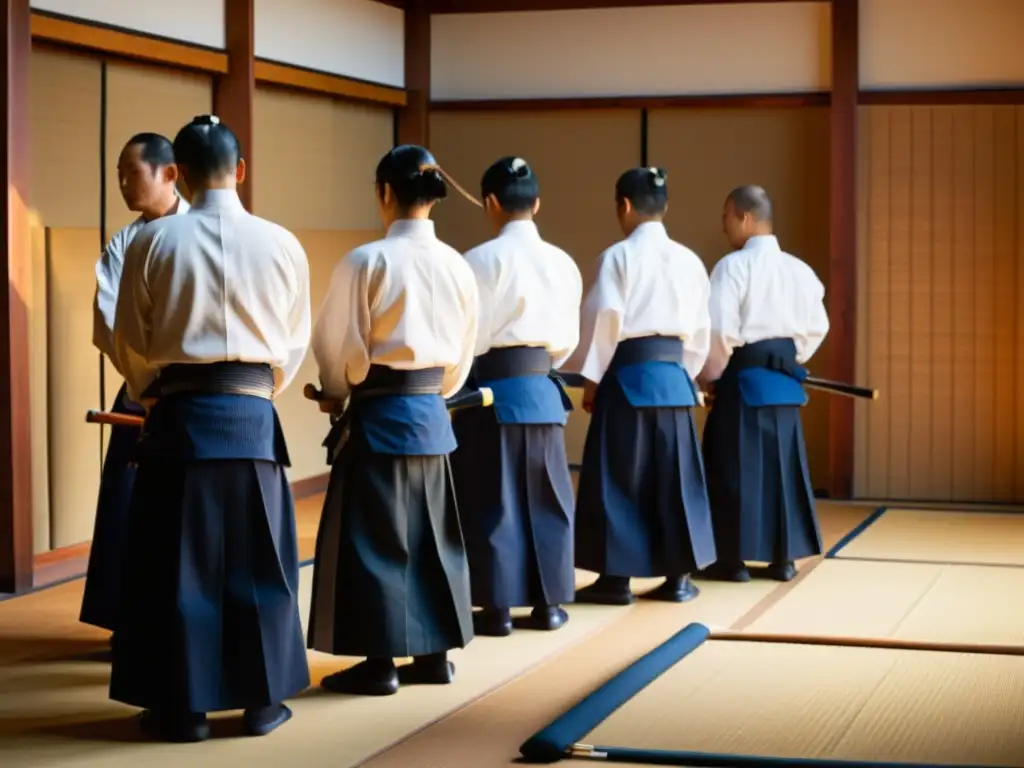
x=844, y=542
x=555, y=741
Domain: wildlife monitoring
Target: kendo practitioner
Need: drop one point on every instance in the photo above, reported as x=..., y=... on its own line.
x=212, y=323
x=642, y=509
x=767, y=317
x=395, y=336
x=147, y=177
x=511, y=472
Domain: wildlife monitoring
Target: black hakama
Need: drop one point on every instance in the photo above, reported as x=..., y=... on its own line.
x=759, y=484
x=209, y=616
x=103, y=578
x=390, y=578
x=643, y=507
x=514, y=489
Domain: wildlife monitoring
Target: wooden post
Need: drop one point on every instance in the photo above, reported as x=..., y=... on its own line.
x=413, y=120
x=16, y=548
x=234, y=92
x=842, y=282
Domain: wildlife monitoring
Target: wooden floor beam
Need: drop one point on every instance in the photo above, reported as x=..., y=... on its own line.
x=841, y=296
x=413, y=120
x=235, y=91
x=15, y=437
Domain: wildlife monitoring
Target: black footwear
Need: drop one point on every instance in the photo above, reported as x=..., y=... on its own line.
x=261, y=721
x=784, y=571
x=434, y=669
x=675, y=589
x=546, y=618
x=721, y=571
x=492, y=622
x=607, y=590
x=179, y=729
x=371, y=677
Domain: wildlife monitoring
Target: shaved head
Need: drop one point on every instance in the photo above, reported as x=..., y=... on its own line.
x=751, y=199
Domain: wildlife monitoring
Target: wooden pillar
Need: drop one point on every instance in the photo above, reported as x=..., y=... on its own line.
x=842, y=282
x=234, y=92
x=413, y=120
x=16, y=547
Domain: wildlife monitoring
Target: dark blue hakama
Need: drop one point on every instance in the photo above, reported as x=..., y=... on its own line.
x=103, y=578
x=390, y=578
x=513, y=484
x=758, y=479
x=208, y=618
x=643, y=509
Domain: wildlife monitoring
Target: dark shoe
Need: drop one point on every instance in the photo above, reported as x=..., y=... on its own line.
x=720, y=571
x=179, y=729
x=675, y=589
x=492, y=622
x=546, y=618
x=261, y=721
x=607, y=590
x=372, y=677
x=784, y=571
x=434, y=669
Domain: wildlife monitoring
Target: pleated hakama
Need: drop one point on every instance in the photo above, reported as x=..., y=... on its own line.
x=642, y=508
x=103, y=578
x=759, y=483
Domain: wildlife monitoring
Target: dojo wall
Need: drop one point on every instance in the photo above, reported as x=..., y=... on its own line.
x=317, y=158
x=941, y=256
x=673, y=50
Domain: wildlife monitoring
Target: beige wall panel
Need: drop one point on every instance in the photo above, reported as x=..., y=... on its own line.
x=319, y=178
x=304, y=425
x=941, y=250
x=709, y=152
x=673, y=50
x=64, y=115
x=940, y=43
x=65, y=194
x=38, y=383
x=577, y=157
x=74, y=385
x=141, y=99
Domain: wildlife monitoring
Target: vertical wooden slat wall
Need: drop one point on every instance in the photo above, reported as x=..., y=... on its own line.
x=942, y=240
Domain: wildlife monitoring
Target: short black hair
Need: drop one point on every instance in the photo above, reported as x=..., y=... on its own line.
x=751, y=199
x=155, y=150
x=206, y=148
x=413, y=175
x=645, y=188
x=513, y=184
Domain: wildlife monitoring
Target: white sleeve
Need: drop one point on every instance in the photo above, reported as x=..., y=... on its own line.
x=455, y=377
x=487, y=275
x=570, y=337
x=726, y=299
x=300, y=318
x=602, y=316
x=104, y=306
x=817, y=323
x=341, y=334
x=698, y=345
x=133, y=319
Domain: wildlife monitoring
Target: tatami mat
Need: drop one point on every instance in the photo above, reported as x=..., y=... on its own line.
x=827, y=702
x=909, y=601
x=59, y=713
x=938, y=536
